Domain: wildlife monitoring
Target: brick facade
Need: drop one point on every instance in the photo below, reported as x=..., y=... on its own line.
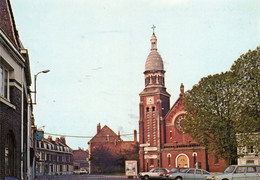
x=108, y=152
x=54, y=157
x=163, y=143
x=11, y=123
x=80, y=159
x=15, y=112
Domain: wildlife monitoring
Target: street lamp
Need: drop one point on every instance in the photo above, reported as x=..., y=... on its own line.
x=35, y=78
x=37, y=134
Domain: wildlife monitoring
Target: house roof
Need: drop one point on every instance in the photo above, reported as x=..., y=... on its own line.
x=104, y=133
x=177, y=102
x=7, y=23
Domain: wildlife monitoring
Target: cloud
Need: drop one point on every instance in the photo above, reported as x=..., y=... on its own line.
x=98, y=68
x=167, y=3
x=111, y=31
x=133, y=116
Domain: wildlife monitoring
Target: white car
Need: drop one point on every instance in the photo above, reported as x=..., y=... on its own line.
x=155, y=173
x=188, y=174
x=81, y=171
x=238, y=172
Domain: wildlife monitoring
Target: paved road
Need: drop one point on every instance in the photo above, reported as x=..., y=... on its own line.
x=82, y=177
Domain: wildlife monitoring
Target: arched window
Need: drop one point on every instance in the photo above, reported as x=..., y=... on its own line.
x=169, y=158
x=10, y=155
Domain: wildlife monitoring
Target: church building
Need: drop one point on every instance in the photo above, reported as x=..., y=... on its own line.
x=163, y=141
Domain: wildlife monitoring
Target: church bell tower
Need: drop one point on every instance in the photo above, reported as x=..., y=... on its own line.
x=154, y=105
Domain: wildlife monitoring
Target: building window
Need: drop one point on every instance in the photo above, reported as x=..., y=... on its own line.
x=250, y=162
x=10, y=155
x=148, y=125
x=107, y=138
x=250, y=149
x=170, y=134
x=4, y=82
x=216, y=160
x=169, y=159
x=151, y=162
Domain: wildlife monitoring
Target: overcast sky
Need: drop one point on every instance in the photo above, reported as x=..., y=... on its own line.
x=96, y=52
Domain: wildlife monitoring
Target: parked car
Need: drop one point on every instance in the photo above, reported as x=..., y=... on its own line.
x=173, y=170
x=238, y=172
x=188, y=174
x=81, y=171
x=155, y=173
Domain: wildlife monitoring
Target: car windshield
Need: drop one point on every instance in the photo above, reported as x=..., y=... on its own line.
x=229, y=169
x=152, y=170
x=184, y=170
x=174, y=169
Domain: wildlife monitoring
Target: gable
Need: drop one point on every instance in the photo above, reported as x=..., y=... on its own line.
x=175, y=110
x=7, y=23
x=105, y=135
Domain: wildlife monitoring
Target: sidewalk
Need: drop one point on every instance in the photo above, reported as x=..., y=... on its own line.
x=80, y=177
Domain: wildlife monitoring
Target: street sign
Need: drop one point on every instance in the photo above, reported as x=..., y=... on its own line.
x=39, y=135
x=150, y=156
x=150, y=148
x=144, y=145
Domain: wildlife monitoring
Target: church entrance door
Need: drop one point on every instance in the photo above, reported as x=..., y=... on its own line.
x=182, y=161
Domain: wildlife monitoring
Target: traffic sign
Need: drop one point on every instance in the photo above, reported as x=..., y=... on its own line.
x=150, y=156
x=150, y=148
x=144, y=145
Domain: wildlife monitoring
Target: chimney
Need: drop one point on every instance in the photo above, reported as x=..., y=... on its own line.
x=118, y=135
x=98, y=128
x=49, y=138
x=182, y=89
x=135, y=136
x=63, y=140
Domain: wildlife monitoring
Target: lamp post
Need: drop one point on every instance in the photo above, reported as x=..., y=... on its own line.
x=35, y=78
x=37, y=135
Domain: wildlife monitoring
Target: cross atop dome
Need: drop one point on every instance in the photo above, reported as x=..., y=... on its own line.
x=153, y=27
x=153, y=40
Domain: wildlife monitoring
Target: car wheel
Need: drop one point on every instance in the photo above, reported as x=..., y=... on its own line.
x=178, y=178
x=146, y=177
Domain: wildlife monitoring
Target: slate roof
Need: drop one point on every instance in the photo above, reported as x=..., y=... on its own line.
x=7, y=23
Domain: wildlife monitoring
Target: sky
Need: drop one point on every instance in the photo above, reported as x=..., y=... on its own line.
x=96, y=53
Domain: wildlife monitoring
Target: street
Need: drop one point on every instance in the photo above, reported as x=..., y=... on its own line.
x=81, y=177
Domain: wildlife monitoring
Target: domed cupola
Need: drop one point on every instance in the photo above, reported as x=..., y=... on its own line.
x=154, y=60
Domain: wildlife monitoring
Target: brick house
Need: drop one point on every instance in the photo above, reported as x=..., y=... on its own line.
x=80, y=159
x=108, y=152
x=163, y=141
x=54, y=157
x=15, y=109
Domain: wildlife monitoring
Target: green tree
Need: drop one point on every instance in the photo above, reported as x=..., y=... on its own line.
x=222, y=105
x=210, y=116
x=247, y=78
x=104, y=161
